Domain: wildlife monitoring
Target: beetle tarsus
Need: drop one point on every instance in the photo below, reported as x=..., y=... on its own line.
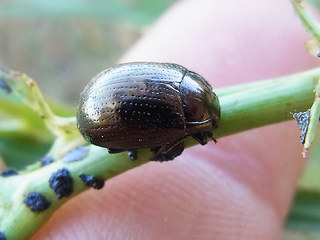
x=213, y=139
x=201, y=138
x=210, y=135
x=112, y=150
x=168, y=152
x=132, y=154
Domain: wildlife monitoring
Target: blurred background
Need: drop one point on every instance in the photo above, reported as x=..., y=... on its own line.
x=63, y=44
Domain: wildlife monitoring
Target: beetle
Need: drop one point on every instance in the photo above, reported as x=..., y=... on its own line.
x=147, y=105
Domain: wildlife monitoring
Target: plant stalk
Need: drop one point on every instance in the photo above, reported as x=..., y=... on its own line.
x=243, y=107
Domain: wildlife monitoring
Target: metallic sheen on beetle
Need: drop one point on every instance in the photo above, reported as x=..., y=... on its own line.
x=147, y=105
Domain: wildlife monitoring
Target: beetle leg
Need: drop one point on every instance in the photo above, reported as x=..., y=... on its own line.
x=213, y=139
x=202, y=137
x=168, y=152
x=112, y=150
x=210, y=135
x=132, y=154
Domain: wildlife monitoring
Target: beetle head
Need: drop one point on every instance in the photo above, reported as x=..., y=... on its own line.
x=201, y=104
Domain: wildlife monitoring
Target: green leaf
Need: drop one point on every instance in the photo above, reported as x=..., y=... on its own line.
x=20, y=152
x=315, y=3
x=141, y=13
x=294, y=235
x=305, y=213
x=304, y=216
x=310, y=179
x=27, y=125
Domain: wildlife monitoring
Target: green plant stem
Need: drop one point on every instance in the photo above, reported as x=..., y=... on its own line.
x=261, y=103
x=243, y=107
x=309, y=23
x=314, y=118
x=18, y=222
x=64, y=128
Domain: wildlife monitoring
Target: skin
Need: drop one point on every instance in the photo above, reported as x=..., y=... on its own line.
x=240, y=188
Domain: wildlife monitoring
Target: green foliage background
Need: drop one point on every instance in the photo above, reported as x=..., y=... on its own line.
x=62, y=45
